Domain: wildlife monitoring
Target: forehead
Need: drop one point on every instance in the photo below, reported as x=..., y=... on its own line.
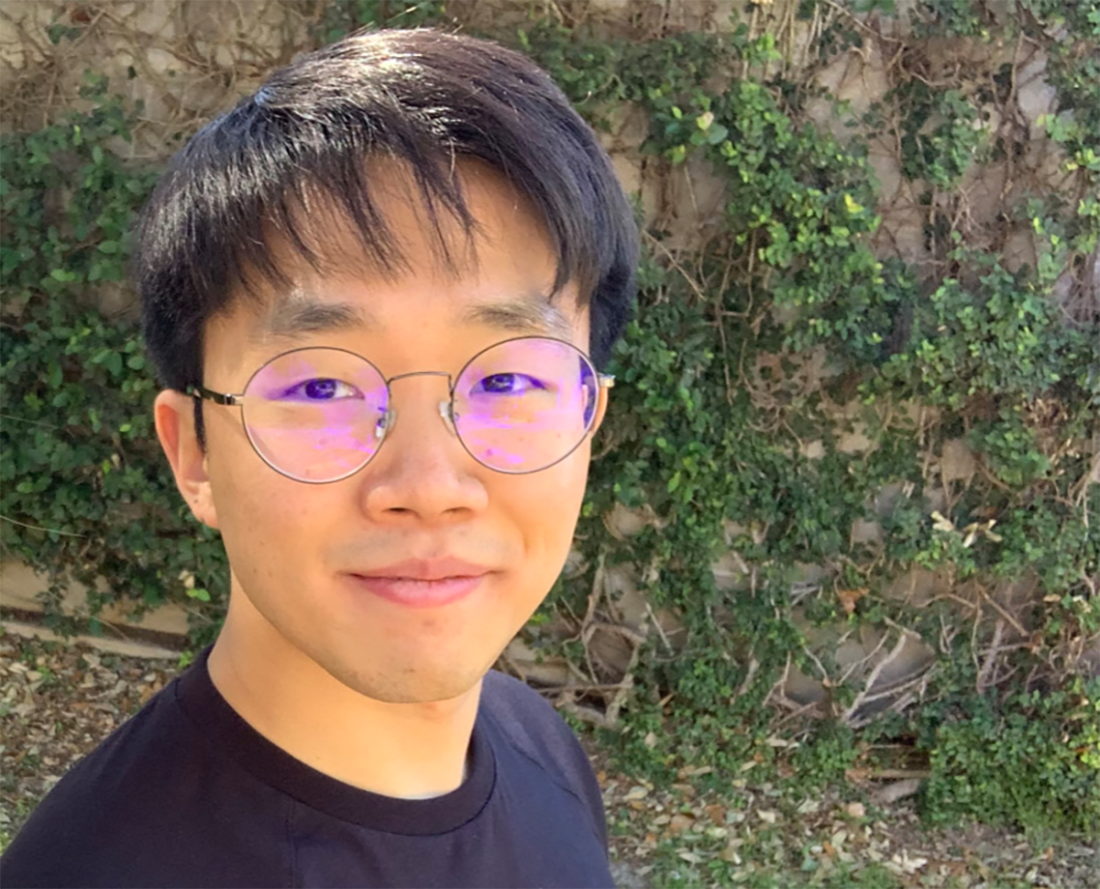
x=498, y=272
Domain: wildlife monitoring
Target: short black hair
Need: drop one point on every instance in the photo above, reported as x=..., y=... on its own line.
x=423, y=97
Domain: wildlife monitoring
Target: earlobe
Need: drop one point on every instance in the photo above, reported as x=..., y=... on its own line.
x=173, y=414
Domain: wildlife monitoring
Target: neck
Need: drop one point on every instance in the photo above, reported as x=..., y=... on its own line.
x=410, y=751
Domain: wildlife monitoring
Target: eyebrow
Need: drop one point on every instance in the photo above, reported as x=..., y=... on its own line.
x=533, y=315
x=301, y=315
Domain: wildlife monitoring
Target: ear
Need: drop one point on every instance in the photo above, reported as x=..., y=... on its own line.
x=602, y=399
x=174, y=414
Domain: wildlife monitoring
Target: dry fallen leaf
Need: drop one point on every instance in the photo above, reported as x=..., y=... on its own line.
x=716, y=813
x=941, y=522
x=849, y=598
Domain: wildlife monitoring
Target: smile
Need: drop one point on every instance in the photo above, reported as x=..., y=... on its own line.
x=414, y=593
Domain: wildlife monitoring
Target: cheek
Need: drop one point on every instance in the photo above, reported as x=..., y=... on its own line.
x=265, y=518
x=548, y=503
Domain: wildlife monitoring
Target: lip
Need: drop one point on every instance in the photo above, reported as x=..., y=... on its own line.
x=422, y=583
x=427, y=569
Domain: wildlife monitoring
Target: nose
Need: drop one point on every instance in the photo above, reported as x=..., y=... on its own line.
x=422, y=472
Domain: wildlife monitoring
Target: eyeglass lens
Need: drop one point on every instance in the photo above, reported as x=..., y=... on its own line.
x=321, y=414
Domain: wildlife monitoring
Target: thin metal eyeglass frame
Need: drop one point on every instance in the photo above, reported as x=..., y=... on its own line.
x=446, y=408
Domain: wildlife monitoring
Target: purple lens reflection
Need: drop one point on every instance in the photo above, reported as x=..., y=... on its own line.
x=525, y=404
x=315, y=414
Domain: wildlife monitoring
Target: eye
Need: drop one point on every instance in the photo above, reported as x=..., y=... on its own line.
x=508, y=384
x=323, y=389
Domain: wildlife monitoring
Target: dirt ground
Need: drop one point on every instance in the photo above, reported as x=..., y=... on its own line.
x=57, y=701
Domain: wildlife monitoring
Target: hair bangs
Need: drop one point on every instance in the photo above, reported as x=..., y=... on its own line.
x=256, y=193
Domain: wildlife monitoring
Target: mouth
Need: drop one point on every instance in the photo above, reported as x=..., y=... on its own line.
x=415, y=593
x=417, y=583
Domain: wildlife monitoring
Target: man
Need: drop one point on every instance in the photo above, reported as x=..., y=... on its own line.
x=378, y=293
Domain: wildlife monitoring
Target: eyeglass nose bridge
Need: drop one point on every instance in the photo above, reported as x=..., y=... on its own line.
x=446, y=408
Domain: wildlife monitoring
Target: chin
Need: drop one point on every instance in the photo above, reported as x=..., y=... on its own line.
x=408, y=684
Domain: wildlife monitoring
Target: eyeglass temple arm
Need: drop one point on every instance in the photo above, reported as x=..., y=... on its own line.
x=201, y=392
x=607, y=381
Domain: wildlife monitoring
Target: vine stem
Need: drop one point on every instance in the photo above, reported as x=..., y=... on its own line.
x=40, y=528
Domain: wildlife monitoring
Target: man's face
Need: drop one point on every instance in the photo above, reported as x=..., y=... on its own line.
x=296, y=549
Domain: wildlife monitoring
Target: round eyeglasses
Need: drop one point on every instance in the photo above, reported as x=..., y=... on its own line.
x=319, y=415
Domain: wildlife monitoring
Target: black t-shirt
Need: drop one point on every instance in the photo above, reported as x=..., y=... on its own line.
x=188, y=794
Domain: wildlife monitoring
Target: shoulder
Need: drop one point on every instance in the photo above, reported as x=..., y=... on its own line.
x=501, y=690
x=525, y=717
x=532, y=727
x=135, y=811
x=90, y=805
